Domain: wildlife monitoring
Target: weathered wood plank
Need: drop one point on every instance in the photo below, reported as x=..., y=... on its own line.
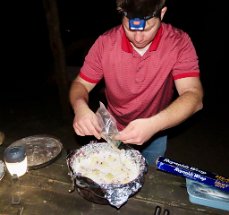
x=45, y=191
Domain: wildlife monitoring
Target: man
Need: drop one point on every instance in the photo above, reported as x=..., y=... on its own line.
x=141, y=61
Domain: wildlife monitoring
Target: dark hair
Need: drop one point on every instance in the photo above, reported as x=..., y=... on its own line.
x=140, y=8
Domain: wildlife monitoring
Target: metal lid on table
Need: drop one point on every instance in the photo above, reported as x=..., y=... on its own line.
x=41, y=150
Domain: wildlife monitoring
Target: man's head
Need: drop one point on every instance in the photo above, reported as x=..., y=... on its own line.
x=141, y=19
x=140, y=8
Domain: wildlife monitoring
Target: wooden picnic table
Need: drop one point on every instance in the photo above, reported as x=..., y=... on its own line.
x=46, y=191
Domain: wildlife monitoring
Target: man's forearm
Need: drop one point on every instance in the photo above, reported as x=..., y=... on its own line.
x=179, y=110
x=78, y=95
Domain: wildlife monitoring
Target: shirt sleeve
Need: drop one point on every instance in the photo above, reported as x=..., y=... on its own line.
x=187, y=64
x=92, y=70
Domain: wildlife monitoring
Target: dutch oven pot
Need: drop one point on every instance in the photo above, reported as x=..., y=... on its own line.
x=113, y=194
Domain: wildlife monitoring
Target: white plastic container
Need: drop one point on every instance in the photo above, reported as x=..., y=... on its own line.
x=16, y=160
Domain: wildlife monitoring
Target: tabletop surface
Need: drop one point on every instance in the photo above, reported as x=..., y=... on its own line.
x=46, y=191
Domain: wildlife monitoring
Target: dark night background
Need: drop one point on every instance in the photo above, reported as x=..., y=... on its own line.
x=28, y=59
x=28, y=88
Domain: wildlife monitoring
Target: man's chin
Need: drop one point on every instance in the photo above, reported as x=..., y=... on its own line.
x=138, y=47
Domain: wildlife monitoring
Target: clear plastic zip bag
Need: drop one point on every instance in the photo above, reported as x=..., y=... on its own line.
x=108, y=125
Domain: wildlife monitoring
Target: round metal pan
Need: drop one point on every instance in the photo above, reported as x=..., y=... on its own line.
x=41, y=150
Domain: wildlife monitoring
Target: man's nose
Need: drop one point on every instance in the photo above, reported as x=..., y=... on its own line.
x=138, y=36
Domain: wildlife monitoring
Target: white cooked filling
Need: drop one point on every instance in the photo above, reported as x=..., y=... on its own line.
x=106, y=167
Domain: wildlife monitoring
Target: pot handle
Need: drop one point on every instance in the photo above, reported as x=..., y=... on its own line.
x=81, y=184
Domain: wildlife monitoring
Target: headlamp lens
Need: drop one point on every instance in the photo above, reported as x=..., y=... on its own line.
x=137, y=24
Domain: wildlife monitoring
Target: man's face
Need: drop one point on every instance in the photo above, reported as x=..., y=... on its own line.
x=141, y=38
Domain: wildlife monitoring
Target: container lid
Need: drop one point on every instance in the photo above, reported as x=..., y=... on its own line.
x=14, y=154
x=203, y=194
x=41, y=150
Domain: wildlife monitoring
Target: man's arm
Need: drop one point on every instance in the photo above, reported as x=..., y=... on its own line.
x=79, y=92
x=85, y=121
x=188, y=102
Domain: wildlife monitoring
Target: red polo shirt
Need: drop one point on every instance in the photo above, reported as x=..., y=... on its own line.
x=140, y=86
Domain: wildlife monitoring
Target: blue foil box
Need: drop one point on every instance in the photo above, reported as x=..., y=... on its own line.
x=205, y=177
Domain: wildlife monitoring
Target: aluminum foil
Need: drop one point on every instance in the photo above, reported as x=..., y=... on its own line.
x=115, y=194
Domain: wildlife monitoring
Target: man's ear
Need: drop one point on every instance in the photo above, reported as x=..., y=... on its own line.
x=163, y=11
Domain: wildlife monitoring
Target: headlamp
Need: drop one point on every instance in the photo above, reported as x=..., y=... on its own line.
x=137, y=24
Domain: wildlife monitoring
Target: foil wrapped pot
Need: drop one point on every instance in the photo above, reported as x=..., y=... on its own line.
x=104, y=174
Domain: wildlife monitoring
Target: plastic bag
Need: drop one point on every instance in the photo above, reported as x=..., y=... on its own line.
x=108, y=125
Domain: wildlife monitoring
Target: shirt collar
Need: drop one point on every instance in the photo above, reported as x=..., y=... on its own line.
x=126, y=46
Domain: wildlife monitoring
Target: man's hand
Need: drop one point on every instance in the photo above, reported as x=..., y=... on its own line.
x=86, y=123
x=137, y=132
